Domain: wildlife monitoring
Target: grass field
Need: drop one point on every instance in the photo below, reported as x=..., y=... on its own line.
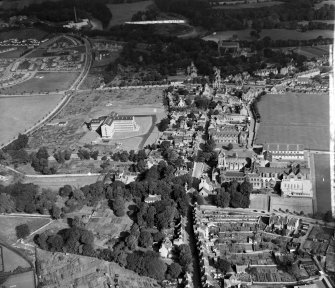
x=43, y=82
x=322, y=182
x=275, y=34
x=311, y=52
x=22, y=113
x=259, y=202
x=23, y=34
x=292, y=204
x=13, y=54
x=319, y=5
x=249, y=5
x=123, y=12
x=22, y=280
x=294, y=118
x=13, y=260
x=8, y=224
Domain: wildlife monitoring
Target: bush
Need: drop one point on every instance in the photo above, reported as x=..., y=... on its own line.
x=22, y=231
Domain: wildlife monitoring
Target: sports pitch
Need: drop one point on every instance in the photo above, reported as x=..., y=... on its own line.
x=294, y=118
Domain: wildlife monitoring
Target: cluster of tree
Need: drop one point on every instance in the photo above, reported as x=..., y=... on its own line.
x=61, y=11
x=87, y=154
x=170, y=155
x=278, y=16
x=62, y=156
x=148, y=15
x=22, y=231
x=15, y=152
x=163, y=124
x=234, y=195
x=27, y=198
x=131, y=156
x=75, y=240
x=40, y=162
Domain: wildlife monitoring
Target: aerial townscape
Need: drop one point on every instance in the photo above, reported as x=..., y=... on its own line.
x=174, y=144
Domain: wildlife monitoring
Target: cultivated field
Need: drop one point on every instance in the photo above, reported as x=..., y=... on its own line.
x=310, y=52
x=60, y=270
x=322, y=182
x=43, y=82
x=8, y=224
x=294, y=118
x=274, y=34
x=124, y=11
x=249, y=5
x=292, y=204
x=55, y=183
x=85, y=106
x=23, y=112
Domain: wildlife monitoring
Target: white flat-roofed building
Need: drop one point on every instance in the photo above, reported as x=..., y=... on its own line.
x=285, y=151
x=116, y=123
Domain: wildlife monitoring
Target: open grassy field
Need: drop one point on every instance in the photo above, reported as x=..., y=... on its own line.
x=20, y=113
x=22, y=280
x=12, y=260
x=85, y=106
x=274, y=34
x=311, y=52
x=259, y=202
x=43, y=82
x=292, y=204
x=8, y=224
x=319, y=5
x=322, y=182
x=26, y=33
x=14, y=53
x=294, y=118
x=249, y=5
x=124, y=11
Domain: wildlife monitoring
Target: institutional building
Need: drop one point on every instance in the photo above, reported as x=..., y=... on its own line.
x=285, y=151
x=114, y=123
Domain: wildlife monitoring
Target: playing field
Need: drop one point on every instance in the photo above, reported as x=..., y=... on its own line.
x=294, y=118
x=12, y=260
x=124, y=11
x=23, y=280
x=43, y=82
x=274, y=34
x=20, y=113
x=322, y=182
x=292, y=204
x=259, y=202
x=310, y=52
x=27, y=33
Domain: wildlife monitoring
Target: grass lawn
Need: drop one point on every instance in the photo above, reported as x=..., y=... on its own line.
x=311, y=52
x=23, y=112
x=8, y=233
x=274, y=34
x=322, y=182
x=22, y=280
x=249, y=5
x=12, y=260
x=294, y=118
x=43, y=82
x=124, y=11
x=292, y=204
x=259, y=202
x=13, y=54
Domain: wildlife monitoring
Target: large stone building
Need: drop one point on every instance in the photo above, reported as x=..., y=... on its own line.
x=285, y=151
x=297, y=184
x=114, y=123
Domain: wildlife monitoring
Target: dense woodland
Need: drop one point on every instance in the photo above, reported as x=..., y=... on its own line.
x=61, y=11
x=279, y=16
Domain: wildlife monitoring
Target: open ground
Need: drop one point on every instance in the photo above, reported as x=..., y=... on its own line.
x=60, y=270
x=43, y=82
x=292, y=204
x=8, y=224
x=294, y=118
x=26, y=33
x=85, y=106
x=322, y=182
x=249, y=5
x=22, y=280
x=274, y=34
x=18, y=114
x=124, y=11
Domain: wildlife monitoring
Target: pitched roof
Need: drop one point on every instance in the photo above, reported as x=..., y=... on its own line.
x=283, y=147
